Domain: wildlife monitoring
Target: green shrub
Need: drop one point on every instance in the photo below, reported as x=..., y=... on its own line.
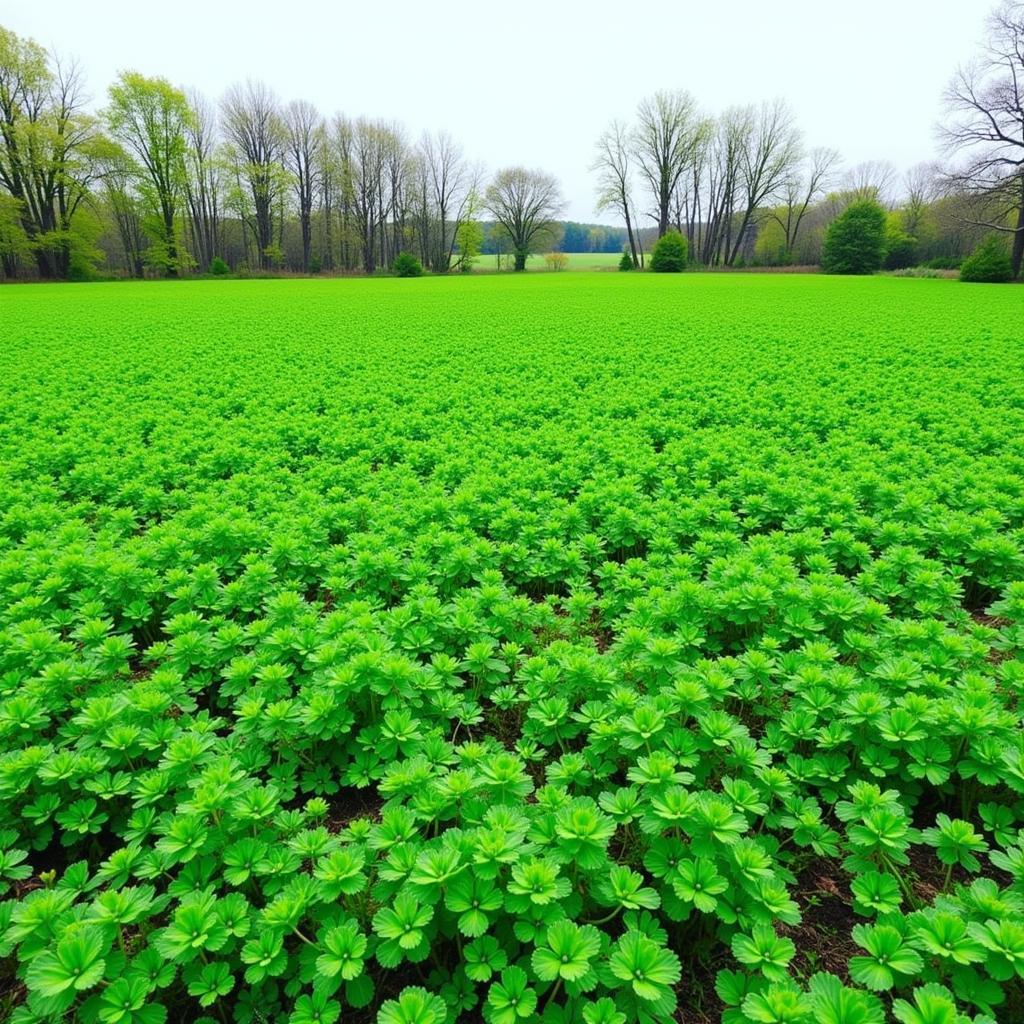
x=626, y=263
x=944, y=263
x=219, y=267
x=81, y=269
x=900, y=250
x=315, y=266
x=468, y=239
x=855, y=241
x=274, y=256
x=406, y=265
x=989, y=263
x=670, y=254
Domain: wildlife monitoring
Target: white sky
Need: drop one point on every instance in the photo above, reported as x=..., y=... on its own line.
x=523, y=81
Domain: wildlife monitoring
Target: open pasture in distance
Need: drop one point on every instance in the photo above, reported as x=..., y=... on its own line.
x=454, y=649
x=577, y=261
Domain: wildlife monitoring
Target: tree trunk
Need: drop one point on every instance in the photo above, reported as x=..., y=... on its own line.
x=327, y=258
x=629, y=231
x=520, y=260
x=307, y=240
x=264, y=231
x=1017, y=253
x=45, y=266
x=172, y=248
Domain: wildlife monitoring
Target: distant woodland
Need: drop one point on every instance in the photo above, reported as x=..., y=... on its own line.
x=162, y=181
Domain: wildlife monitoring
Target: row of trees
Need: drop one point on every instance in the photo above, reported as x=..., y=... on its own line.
x=742, y=184
x=358, y=191
x=51, y=154
x=578, y=237
x=166, y=180
x=984, y=133
x=175, y=182
x=708, y=177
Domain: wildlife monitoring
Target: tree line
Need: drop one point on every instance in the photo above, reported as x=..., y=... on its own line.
x=169, y=182
x=163, y=181
x=743, y=186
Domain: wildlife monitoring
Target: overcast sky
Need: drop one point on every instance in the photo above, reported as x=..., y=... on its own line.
x=535, y=82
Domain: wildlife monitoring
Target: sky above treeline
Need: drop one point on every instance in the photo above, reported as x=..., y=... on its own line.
x=535, y=83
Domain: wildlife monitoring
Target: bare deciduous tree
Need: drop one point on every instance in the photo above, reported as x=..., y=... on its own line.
x=366, y=170
x=303, y=127
x=771, y=150
x=985, y=128
x=721, y=171
x=872, y=179
x=691, y=200
x=525, y=203
x=920, y=190
x=806, y=183
x=119, y=175
x=448, y=186
x=202, y=181
x=394, y=191
x=327, y=175
x=335, y=159
x=376, y=171
x=615, y=177
x=252, y=125
x=667, y=133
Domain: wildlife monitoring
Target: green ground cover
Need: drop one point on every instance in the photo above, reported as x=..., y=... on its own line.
x=580, y=648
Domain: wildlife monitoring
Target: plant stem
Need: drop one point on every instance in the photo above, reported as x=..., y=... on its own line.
x=553, y=992
x=903, y=883
x=607, y=917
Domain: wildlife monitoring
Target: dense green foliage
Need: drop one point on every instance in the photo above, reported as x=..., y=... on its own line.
x=989, y=263
x=943, y=263
x=855, y=240
x=669, y=254
x=626, y=261
x=562, y=647
x=406, y=265
x=901, y=249
x=577, y=237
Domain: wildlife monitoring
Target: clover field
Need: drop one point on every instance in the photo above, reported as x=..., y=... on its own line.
x=587, y=649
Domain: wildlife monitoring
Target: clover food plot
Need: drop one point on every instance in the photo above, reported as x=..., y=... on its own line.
x=597, y=649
